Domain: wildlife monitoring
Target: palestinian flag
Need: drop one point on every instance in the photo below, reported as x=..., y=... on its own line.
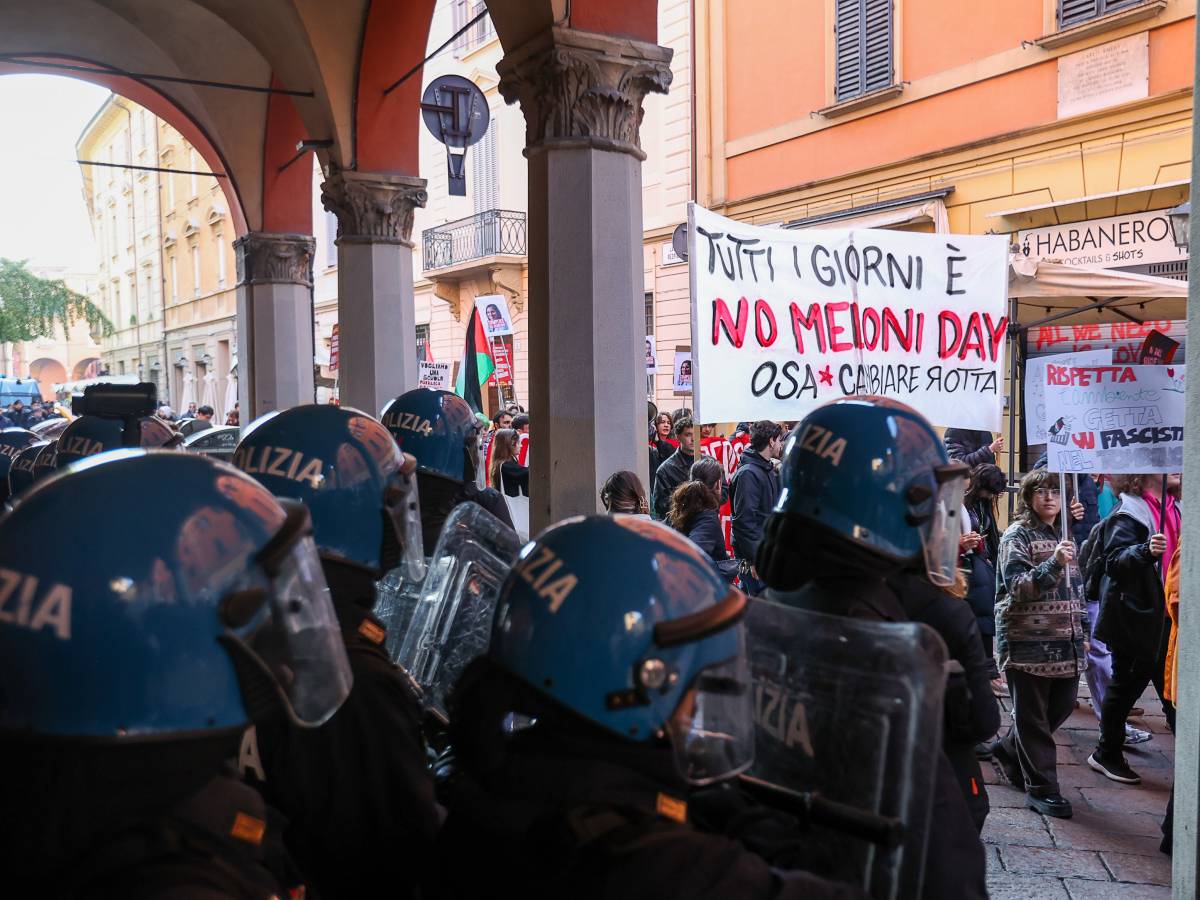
x=477, y=365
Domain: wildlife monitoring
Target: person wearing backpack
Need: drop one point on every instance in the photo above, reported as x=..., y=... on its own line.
x=1133, y=615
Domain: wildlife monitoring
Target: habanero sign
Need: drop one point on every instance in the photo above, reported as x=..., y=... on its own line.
x=1133, y=240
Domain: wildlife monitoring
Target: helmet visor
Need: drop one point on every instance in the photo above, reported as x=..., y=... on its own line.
x=293, y=631
x=712, y=729
x=404, y=511
x=940, y=538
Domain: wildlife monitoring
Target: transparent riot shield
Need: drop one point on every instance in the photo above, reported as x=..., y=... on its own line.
x=850, y=710
x=437, y=626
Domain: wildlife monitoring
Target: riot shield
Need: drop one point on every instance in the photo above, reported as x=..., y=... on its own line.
x=850, y=710
x=437, y=626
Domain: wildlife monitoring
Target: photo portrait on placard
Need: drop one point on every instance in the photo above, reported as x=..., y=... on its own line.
x=681, y=381
x=651, y=355
x=494, y=314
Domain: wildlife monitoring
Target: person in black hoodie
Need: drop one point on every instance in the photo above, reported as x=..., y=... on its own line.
x=753, y=492
x=675, y=470
x=1133, y=619
x=974, y=448
x=693, y=512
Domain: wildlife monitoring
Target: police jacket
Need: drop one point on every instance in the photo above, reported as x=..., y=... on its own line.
x=1133, y=608
x=356, y=790
x=576, y=813
x=674, y=471
x=439, y=496
x=752, y=492
x=972, y=713
x=971, y=447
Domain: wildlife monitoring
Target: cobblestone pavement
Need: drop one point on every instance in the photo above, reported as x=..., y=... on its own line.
x=1109, y=849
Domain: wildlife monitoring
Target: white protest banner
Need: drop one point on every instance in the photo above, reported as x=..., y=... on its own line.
x=493, y=313
x=1034, y=408
x=435, y=376
x=1115, y=419
x=787, y=320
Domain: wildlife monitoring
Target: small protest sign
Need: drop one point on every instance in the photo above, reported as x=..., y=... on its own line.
x=1158, y=349
x=651, y=355
x=681, y=376
x=1115, y=419
x=1035, y=387
x=786, y=320
x=435, y=376
x=493, y=313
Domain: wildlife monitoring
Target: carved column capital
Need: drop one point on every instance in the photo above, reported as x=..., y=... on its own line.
x=580, y=88
x=265, y=257
x=373, y=208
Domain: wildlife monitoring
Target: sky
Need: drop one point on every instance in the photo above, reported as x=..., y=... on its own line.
x=43, y=217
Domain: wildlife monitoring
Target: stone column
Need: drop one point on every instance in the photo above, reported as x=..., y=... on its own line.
x=377, y=329
x=582, y=98
x=275, y=322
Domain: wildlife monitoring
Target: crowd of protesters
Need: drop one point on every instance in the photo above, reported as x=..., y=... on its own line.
x=1081, y=585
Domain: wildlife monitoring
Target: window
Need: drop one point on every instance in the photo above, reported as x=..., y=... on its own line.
x=195, y=270
x=331, y=227
x=149, y=298
x=194, y=183
x=486, y=190
x=649, y=313
x=863, y=36
x=170, y=176
x=121, y=367
x=174, y=279
x=1074, y=12
x=422, y=342
x=220, y=241
x=479, y=33
x=112, y=232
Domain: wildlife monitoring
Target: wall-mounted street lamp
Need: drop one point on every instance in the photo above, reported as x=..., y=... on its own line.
x=1180, y=218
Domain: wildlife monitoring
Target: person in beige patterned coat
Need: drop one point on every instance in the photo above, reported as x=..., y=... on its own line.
x=1041, y=627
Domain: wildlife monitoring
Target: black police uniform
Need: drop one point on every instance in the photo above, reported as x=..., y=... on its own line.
x=955, y=862
x=104, y=822
x=568, y=811
x=357, y=790
x=439, y=495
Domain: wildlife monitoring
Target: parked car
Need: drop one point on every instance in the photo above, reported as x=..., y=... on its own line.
x=218, y=443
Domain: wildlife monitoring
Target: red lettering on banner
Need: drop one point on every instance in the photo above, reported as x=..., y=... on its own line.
x=946, y=347
x=832, y=329
x=763, y=309
x=722, y=319
x=1049, y=335
x=1086, y=332
x=1085, y=441
x=812, y=321
x=996, y=334
x=1085, y=376
x=904, y=336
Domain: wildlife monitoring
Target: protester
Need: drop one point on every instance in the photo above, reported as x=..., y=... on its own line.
x=623, y=493
x=1106, y=499
x=521, y=427
x=972, y=447
x=1171, y=677
x=675, y=470
x=506, y=474
x=986, y=485
x=1133, y=622
x=753, y=492
x=693, y=512
x=1041, y=629
x=662, y=439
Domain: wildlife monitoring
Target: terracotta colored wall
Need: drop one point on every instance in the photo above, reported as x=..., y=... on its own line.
x=940, y=35
x=637, y=19
x=287, y=201
x=1020, y=100
x=1171, y=56
x=774, y=62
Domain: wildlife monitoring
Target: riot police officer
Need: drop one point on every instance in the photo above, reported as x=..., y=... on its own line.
x=868, y=494
x=439, y=429
x=91, y=434
x=13, y=441
x=130, y=667
x=357, y=791
x=595, y=709
x=20, y=473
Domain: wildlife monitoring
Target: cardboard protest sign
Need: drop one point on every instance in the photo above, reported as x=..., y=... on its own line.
x=1115, y=419
x=1034, y=408
x=681, y=373
x=435, y=376
x=784, y=320
x=1157, y=350
x=493, y=313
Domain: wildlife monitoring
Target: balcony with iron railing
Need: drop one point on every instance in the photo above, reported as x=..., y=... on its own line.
x=494, y=232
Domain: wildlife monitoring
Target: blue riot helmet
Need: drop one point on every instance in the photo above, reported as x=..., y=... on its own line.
x=89, y=435
x=346, y=468
x=865, y=484
x=20, y=473
x=439, y=429
x=45, y=463
x=12, y=442
x=660, y=655
x=203, y=606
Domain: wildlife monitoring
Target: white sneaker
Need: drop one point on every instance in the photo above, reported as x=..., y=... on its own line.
x=1135, y=735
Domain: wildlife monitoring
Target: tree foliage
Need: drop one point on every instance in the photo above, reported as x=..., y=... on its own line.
x=30, y=306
